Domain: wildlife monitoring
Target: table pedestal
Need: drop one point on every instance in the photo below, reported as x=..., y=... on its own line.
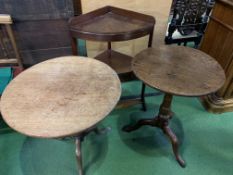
x=161, y=121
x=78, y=152
x=78, y=141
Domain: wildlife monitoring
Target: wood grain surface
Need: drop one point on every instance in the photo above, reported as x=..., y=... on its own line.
x=111, y=24
x=157, y=8
x=121, y=63
x=179, y=70
x=60, y=97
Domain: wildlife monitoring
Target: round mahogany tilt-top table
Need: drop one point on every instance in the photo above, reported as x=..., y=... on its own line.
x=175, y=70
x=64, y=96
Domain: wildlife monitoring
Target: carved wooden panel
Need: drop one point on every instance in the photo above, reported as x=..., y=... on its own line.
x=189, y=12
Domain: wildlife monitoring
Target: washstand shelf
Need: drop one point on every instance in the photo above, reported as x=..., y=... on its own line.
x=111, y=24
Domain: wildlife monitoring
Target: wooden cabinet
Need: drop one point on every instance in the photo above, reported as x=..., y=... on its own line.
x=218, y=42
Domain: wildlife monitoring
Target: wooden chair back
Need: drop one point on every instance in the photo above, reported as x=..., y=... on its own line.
x=9, y=52
x=189, y=18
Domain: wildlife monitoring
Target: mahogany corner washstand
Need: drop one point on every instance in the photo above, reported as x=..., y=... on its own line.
x=175, y=70
x=58, y=98
x=111, y=24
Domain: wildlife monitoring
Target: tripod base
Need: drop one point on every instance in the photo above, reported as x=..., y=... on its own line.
x=161, y=121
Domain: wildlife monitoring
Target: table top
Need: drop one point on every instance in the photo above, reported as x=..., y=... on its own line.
x=60, y=97
x=111, y=24
x=179, y=70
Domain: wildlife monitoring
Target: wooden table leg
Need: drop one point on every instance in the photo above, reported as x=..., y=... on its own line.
x=74, y=45
x=175, y=144
x=161, y=121
x=143, y=97
x=78, y=151
x=78, y=142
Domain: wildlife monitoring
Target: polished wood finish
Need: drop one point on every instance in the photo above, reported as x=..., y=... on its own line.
x=218, y=42
x=226, y=2
x=111, y=24
x=161, y=121
x=121, y=63
x=59, y=97
x=159, y=9
x=175, y=70
x=103, y=25
x=77, y=5
x=179, y=70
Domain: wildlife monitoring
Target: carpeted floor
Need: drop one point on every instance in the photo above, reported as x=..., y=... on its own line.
x=206, y=145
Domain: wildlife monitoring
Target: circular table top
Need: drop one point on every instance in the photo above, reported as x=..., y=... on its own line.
x=179, y=70
x=60, y=97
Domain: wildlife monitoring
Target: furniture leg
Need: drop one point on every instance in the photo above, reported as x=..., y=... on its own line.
x=143, y=97
x=78, y=151
x=175, y=144
x=2, y=45
x=15, y=48
x=109, y=46
x=150, y=38
x=74, y=45
x=161, y=121
x=78, y=141
x=197, y=41
x=140, y=123
x=143, y=84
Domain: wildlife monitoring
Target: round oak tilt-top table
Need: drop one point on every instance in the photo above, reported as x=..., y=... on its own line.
x=64, y=96
x=175, y=70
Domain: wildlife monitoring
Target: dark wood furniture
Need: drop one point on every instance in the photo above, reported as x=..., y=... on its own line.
x=63, y=100
x=175, y=70
x=189, y=20
x=218, y=42
x=111, y=24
